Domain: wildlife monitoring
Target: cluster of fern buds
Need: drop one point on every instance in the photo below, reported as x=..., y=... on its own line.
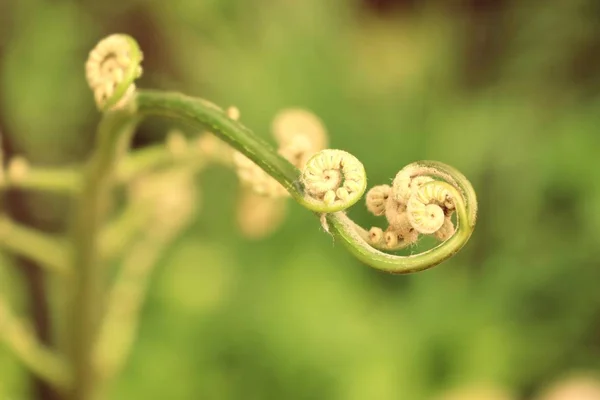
x=414, y=204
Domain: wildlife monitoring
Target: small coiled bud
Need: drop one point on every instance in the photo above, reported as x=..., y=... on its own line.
x=391, y=238
x=111, y=69
x=406, y=184
x=401, y=186
x=410, y=236
x=333, y=180
x=377, y=198
x=397, y=239
x=424, y=208
x=417, y=182
x=375, y=236
x=395, y=213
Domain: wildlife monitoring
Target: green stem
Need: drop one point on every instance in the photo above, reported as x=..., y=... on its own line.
x=125, y=299
x=46, y=180
x=199, y=114
x=155, y=157
x=143, y=160
x=354, y=237
x=49, y=252
x=119, y=233
x=35, y=356
x=113, y=136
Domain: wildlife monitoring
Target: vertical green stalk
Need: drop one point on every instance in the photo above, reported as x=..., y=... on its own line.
x=89, y=283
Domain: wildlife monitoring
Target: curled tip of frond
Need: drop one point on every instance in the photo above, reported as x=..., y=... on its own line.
x=333, y=180
x=416, y=203
x=299, y=134
x=377, y=197
x=111, y=69
x=426, y=208
x=422, y=192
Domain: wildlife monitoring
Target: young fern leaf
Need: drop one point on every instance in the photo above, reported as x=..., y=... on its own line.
x=422, y=199
x=111, y=69
x=428, y=208
x=333, y=180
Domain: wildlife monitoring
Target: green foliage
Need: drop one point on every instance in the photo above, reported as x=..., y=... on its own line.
x=292, y=316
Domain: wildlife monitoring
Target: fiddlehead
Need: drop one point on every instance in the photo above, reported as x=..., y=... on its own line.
x=111, y=69
x=299, y=135
x=426, y=209
x=422, y=200
x=333, y=180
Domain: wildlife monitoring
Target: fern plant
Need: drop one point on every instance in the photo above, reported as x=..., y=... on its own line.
x=100, y=314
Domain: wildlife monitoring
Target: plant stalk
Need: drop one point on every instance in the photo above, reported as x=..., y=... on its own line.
x=113, y=136
x=200, y=114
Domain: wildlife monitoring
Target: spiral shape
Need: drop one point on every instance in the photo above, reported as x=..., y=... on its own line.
x=377, y=198
x=333, y=180
x=425, y=208
x=111, y=69
x=422, y=200
x=299, y=133
x=407, y=182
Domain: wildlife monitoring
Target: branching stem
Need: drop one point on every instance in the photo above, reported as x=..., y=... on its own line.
x=200, y=114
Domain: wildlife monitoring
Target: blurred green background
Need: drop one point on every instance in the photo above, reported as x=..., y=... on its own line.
x=506, y=91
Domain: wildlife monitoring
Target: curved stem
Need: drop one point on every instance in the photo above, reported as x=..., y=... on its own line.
x=124, y=302
x=48, y=251
x=154, y=157
x=200, y=113
x=118, y=234
x=354, y=238
x=34, y=355
x=45, y=180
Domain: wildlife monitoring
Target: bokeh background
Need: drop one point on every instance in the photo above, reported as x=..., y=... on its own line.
x=507, y=91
